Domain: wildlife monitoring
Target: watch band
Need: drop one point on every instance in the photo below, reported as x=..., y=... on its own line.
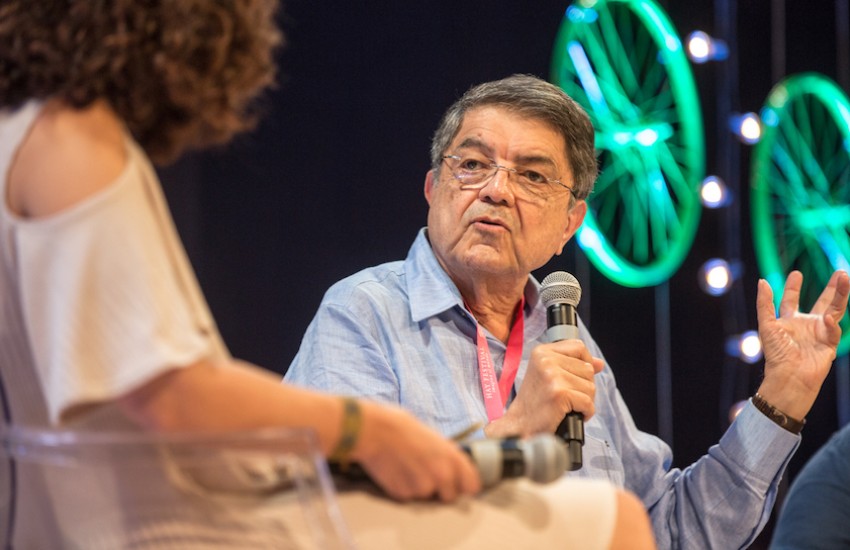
x=791, y=424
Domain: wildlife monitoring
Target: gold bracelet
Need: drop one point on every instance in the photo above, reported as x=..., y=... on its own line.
x=352, y=420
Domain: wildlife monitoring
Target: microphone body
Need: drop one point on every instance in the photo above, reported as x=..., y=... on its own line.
x=561, y=322
x=560, y=293
x=542, y=459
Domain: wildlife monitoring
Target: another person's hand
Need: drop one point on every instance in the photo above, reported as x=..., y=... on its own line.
x=799, y=348
x=559, y=380
x=409, y=460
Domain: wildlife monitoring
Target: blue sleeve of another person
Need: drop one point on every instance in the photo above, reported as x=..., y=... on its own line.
x=816, y=513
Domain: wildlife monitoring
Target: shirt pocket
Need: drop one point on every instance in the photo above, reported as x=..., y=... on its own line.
x=601, y=460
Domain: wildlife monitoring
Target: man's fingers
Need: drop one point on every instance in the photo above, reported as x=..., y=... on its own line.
x=791, y=296
x=830, y=298
x=598, y=364
x=764, y=304
x=583, y=403
x=572, y=347
x=838, y=305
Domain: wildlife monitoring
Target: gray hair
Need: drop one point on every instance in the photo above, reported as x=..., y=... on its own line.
x=533, y=97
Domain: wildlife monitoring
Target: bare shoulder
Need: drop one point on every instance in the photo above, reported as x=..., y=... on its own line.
x=68, y=155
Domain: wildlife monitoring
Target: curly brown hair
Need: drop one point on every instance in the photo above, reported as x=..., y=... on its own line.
x=180, y=73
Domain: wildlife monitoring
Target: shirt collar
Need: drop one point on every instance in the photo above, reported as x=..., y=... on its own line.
x=432, y=291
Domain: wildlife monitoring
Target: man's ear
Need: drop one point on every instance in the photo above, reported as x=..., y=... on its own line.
x=575, y=217
x=429, y=185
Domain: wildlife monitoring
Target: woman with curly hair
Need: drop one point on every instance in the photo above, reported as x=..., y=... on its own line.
x=102, y=322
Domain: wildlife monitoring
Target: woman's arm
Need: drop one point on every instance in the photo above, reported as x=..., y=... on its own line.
x=406, y=458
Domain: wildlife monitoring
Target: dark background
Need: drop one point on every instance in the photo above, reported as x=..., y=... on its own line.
x=331, y=182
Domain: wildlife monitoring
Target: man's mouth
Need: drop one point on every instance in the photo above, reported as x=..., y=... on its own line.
x=493, y=222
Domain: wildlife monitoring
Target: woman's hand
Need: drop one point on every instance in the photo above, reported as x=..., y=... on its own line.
x=409, y=460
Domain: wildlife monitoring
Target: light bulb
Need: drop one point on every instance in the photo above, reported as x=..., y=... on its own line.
x=747, y=127
x=714, y=193
x=715, y=276
x=702, y=48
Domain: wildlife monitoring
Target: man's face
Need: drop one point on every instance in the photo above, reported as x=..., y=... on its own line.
x=496, y=230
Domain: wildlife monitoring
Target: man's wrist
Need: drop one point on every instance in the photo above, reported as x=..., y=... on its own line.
x=789, y=423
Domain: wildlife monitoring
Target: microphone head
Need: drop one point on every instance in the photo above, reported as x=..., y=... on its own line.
x=560, y=287
x=545, y=457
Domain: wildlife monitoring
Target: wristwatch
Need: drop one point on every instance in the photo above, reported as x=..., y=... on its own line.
x=791, y=424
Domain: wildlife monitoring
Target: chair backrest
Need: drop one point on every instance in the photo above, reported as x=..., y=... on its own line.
x=258, y=489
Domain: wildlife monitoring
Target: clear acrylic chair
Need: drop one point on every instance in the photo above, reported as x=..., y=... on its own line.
x=257, y=489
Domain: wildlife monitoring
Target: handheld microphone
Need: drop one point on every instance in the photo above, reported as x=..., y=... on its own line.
x=560, y=293
x=542, y=459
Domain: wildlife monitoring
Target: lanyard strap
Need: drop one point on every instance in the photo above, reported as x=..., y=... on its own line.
x=494, y=401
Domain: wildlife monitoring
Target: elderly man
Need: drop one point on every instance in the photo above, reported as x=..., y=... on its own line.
x=512, y=163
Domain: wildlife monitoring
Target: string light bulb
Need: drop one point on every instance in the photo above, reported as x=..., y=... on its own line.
x=716, y=276
x=714, y=193
x=745, y=346
x=747, y=127
x=736, y=409
x=702, y=48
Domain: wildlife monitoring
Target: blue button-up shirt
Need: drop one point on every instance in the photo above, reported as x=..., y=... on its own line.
x=399, y=333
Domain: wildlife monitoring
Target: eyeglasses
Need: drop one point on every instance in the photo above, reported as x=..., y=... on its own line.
x=474, y=173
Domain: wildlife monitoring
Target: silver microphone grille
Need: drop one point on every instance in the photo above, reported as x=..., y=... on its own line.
x=545, y=456
x=560, y=287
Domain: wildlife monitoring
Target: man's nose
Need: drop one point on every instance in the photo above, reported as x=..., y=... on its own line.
x=498, y=188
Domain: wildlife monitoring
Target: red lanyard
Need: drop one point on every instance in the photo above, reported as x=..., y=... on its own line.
x=494, y=401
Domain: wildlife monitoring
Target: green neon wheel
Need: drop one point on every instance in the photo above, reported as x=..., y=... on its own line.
x=800, y=183
x=623, y=62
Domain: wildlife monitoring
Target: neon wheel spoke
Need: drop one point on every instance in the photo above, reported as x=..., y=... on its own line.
x=622, y=61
